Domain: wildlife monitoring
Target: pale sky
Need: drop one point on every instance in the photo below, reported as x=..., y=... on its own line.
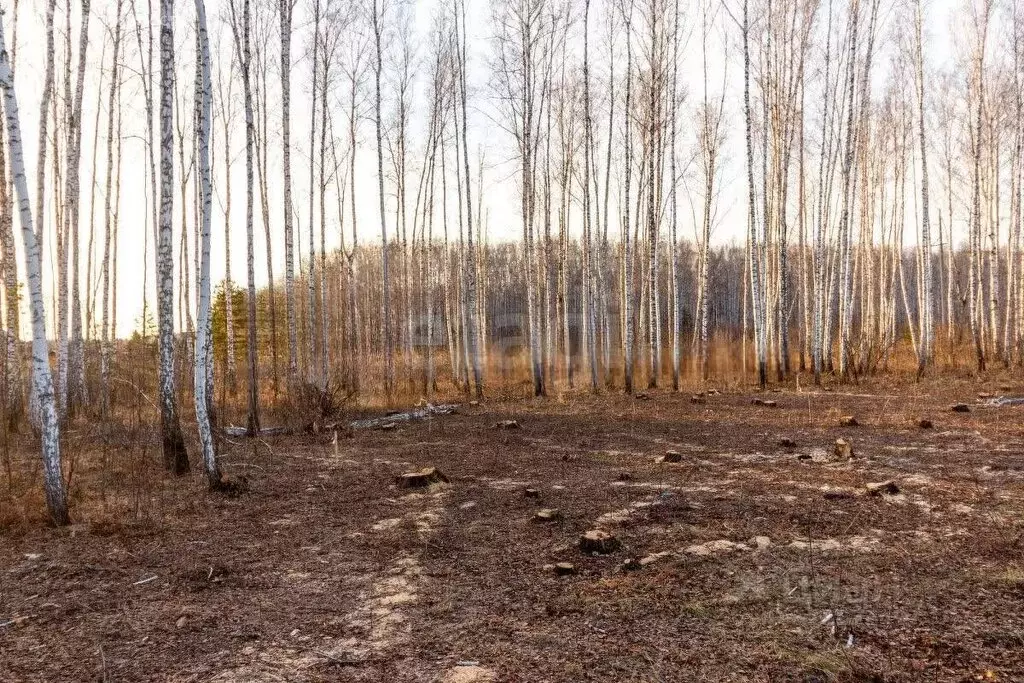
x=500, y=195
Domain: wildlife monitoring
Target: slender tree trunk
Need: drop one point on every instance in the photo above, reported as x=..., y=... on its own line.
x=285, y=11
x=175, y=456
x=108, y=211
x=203, y=400
x=53, y=481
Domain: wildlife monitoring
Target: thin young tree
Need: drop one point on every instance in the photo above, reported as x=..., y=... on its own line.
x=470, y=270
x=377, y=18
x=203, y=103
x=285, y=9
x=521, y=60
x=106, y=349
x=241, y=28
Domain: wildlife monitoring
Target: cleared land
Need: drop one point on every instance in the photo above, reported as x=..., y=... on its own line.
x=761, y=555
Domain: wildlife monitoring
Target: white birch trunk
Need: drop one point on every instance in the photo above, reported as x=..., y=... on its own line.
x=203, y=401
x=175, y=456
x=53, y=481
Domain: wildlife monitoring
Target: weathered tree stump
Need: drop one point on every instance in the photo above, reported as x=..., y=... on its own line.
x=421, y=479
x=843, y=449
x=561, y=568
x=531, y=493
x=598, y=541
x=882, y=488
x=547, y=516
x=672, y=457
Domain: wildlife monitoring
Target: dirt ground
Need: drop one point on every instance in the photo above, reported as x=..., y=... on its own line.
x=761, y=560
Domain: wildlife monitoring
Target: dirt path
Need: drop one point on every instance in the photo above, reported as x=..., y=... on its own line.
x=748, y=560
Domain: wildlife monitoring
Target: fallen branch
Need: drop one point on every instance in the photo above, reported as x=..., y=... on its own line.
x=1000, y=401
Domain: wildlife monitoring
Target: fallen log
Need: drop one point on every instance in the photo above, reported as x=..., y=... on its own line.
x=266, y=431
x=417, y=414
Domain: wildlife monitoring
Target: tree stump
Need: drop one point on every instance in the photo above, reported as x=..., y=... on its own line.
x=531, y=493
x=672, y=457
x=561, y=568
x=883, y=488
x=421, y=479
x=843, y=449
x=786, y=442
x=599, y=542
x=547, y=516
x=848, y=421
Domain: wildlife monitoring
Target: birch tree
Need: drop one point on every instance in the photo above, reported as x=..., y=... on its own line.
x=520, y=44
x=53, y=479
x=203, y=103
x=175, y=455
x=106, y=349
x=242, y=40
x=285, y=9
x=926, y=334
x=377, y=21
x=470, y=270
